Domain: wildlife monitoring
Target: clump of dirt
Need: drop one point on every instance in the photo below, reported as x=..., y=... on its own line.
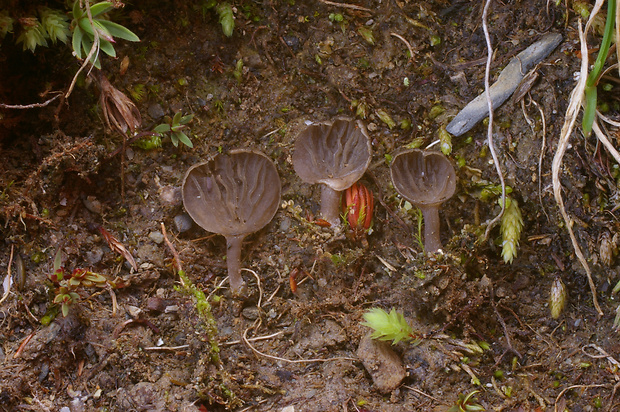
x=405, y=68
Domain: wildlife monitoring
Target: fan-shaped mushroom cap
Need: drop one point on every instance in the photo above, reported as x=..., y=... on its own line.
x=233, y=194
x=423, y=178
x=426, y=179
x=335, y=153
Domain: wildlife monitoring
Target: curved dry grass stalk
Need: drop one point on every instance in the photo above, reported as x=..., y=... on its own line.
x=487, y=92
x=569, y=122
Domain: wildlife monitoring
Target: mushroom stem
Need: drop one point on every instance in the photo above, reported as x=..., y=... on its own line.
x=330, y=205
x=233, y=260
x=432, y=242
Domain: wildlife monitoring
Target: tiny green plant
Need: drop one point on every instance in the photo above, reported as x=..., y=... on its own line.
x=225, y=13
x=466, y=403
x=34, y=31
x=589, y=111
x=389, y=326
x=512, y=225
x=68, y=284
x=95, y=33
x=175, y=127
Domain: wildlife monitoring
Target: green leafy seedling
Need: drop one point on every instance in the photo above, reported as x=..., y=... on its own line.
x=589, y=111
x=389, y=326
x=466, y=403
x=97, y=33
x=227, y=19
x=175, y=127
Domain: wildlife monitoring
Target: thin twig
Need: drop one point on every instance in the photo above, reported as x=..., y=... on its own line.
x=29, y=106
x=165, y=348
x=247, y=342
x=94, y=49
x=260, y=289
x=345, y=5
x=419, y=392
x=257, y=338
x=175, y=256
x=569, y=122
x=398, y=36
x=574, y=387
x=487, y=93
x=8, y=281
x=504, y=327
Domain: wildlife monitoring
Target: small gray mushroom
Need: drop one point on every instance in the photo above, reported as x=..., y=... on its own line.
x=426, y=179
x=335, y=153
x=233, y=195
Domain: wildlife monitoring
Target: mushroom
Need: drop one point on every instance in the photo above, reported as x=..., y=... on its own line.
x=233, y=195
x=426, y=179
x=335, y=153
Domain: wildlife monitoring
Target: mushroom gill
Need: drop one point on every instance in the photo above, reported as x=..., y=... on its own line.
x=426, y=179
x=335, y=153
x=233, y=195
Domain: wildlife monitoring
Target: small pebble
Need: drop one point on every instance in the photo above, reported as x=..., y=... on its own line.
x=156, y=236
x=171, y=309
x=155, y=304
x=156, y=111
x=171, y=195
x=134, y=311
x=183, y=222
x=93, y=256
x=250, y=313
x=92, y=204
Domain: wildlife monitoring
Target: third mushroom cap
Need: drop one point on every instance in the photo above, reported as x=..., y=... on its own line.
x=336, y=154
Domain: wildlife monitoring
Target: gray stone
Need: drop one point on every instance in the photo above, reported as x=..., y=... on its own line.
x=183, y=222
x=382, y=363
x=156, y=111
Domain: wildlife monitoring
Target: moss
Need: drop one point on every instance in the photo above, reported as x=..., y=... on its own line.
x=204, y=312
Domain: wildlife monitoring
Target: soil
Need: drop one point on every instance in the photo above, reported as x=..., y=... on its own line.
x=485, y=326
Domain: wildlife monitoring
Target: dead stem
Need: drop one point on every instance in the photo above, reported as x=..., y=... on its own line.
x=567, y=128
x=487, y=94
x=94, y=49
x=419, y=392
x=256, y=351
x=29, y=106
x=555, y=408
x=260, y=289
x=345, y=5
x=504, y=327
x=8, y=281
x=176, y=260
x=398, y=36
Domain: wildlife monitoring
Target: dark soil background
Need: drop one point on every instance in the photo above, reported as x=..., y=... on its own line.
x=487, y=324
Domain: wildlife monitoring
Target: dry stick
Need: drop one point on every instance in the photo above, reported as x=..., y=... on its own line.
x=543, y=146
x=345, y=5
x=8, y=276
x=618, y=32
x=28, y=106
x=555, y=408
x=603, y=139
x=257, y=338
x=94, y=49
x=503, y=323
x=487, y=94
x=398, y=36
x=175, y=256
x=419, y=392
x=247, y=342
x=260, y=289
x=567, y=128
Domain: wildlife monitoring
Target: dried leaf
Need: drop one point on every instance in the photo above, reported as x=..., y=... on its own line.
x=118, y=247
